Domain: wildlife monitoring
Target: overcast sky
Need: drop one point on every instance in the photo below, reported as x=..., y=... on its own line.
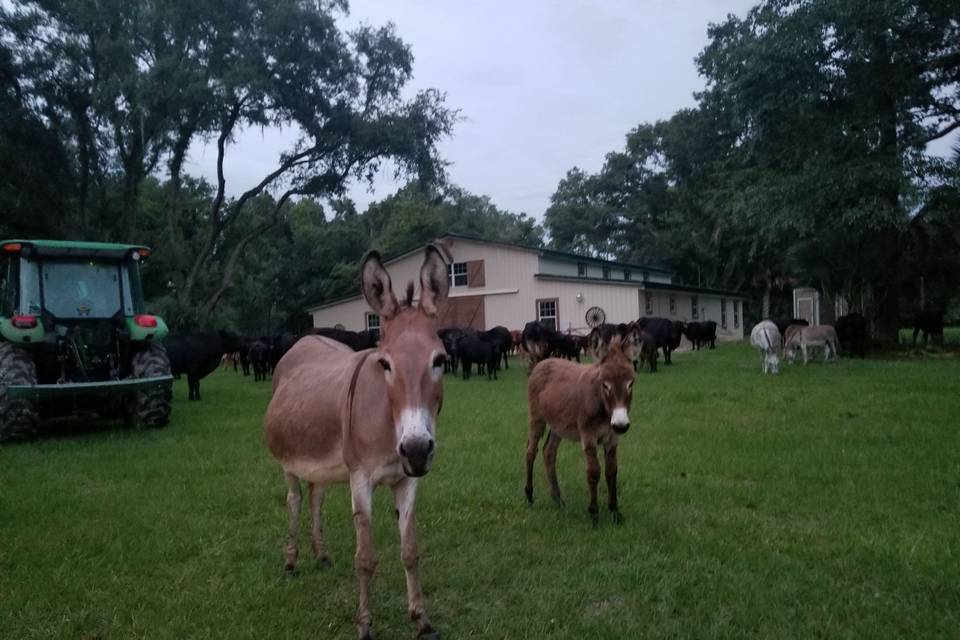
x=544, y=85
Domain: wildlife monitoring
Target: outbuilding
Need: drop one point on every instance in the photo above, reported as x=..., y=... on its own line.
x=498, y=283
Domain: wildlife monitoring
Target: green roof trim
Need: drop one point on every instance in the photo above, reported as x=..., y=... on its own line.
x=643, y=284
x=331, y=302
x=636, y=284
x=691, y=289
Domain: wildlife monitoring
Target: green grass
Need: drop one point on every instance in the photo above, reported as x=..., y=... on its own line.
x=824, y=502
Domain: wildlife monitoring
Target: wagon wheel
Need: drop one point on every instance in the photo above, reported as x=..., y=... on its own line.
x=595, y=317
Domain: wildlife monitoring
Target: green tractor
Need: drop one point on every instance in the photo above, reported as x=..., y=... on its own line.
x=74, y=337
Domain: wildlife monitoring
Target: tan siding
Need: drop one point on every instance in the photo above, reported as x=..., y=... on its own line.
x=510, y=291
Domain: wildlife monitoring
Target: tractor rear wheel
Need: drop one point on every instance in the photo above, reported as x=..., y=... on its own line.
x=150, y=408
x=18, y=418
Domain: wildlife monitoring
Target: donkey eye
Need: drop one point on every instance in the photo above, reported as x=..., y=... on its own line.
x=383, y=363
x=439, y=361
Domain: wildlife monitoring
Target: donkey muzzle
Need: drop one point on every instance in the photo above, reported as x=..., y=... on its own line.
x=416, y=456
x=620, y=420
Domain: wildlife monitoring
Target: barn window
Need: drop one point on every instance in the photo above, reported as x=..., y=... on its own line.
x=626, y=274
x=648, y=302
x=581, y=270
x=458, y=274
x=547, y=312
x=723, y=313
x=673, y=305
x=373, y=324
x=694, y=308
x=736, y=314
x=606, y=273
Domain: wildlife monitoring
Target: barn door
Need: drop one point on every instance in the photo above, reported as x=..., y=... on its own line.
x=463, y=312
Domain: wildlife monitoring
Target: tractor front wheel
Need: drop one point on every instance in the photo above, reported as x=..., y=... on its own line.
x=150, y=408
x=18, y=418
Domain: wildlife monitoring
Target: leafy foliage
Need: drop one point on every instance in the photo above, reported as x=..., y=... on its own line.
x=804, y=161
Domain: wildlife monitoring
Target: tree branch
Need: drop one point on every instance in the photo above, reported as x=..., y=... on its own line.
x=941, y=133
x=227, y=280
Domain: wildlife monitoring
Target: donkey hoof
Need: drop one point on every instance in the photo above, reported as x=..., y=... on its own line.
x=428, y=633
x=617, y=517
x=557, y=500
x=324, y=562
x=289, y=571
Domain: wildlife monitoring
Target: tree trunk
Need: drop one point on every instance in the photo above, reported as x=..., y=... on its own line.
x=886, y=290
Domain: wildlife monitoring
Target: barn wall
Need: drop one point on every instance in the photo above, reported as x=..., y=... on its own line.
x=351, y=314
x=510, y=291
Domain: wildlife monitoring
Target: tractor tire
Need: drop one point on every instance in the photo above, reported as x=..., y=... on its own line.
x=150, y=408
x=18, y=418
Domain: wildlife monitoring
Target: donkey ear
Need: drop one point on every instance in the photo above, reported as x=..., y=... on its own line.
x=597, y=349
x=633, y=342
x=434, y=280
x=376, y=286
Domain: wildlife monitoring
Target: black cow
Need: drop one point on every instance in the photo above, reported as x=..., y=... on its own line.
x=356, y=340
x=279, y=346
x=536, y=341
x=244, y=354
x=701, y=333
x=666, y=334
x=473, y=348
x=198, y=354
x=852, y=334
x=260, y=359
x=501, y=338
x=930, y=322
x=450, y=336
x=562, y=345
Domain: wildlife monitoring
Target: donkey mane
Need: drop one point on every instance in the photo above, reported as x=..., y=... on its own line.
x=408, y=298
x=616, y=345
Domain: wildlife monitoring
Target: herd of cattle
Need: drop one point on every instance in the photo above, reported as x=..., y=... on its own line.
x=199, y=353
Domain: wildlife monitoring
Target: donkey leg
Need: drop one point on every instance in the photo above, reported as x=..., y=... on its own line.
x=365, y=560
x=550, y=464
x=294, y=497
x=405, y=497
x=537, y=425
x=610, y=471
x=593, y=477
x=316, y=526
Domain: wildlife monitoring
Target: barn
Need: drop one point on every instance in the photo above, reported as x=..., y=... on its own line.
x=498, y=283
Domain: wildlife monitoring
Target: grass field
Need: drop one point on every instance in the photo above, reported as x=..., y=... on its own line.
x=824, y=502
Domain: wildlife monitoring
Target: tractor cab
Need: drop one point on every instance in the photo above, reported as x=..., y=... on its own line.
x=76, y=309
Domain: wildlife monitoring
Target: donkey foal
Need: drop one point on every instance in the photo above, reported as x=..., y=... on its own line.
x=589, y=403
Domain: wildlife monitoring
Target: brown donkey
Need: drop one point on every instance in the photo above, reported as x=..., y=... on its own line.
x=589, y=403
x=367, y=418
